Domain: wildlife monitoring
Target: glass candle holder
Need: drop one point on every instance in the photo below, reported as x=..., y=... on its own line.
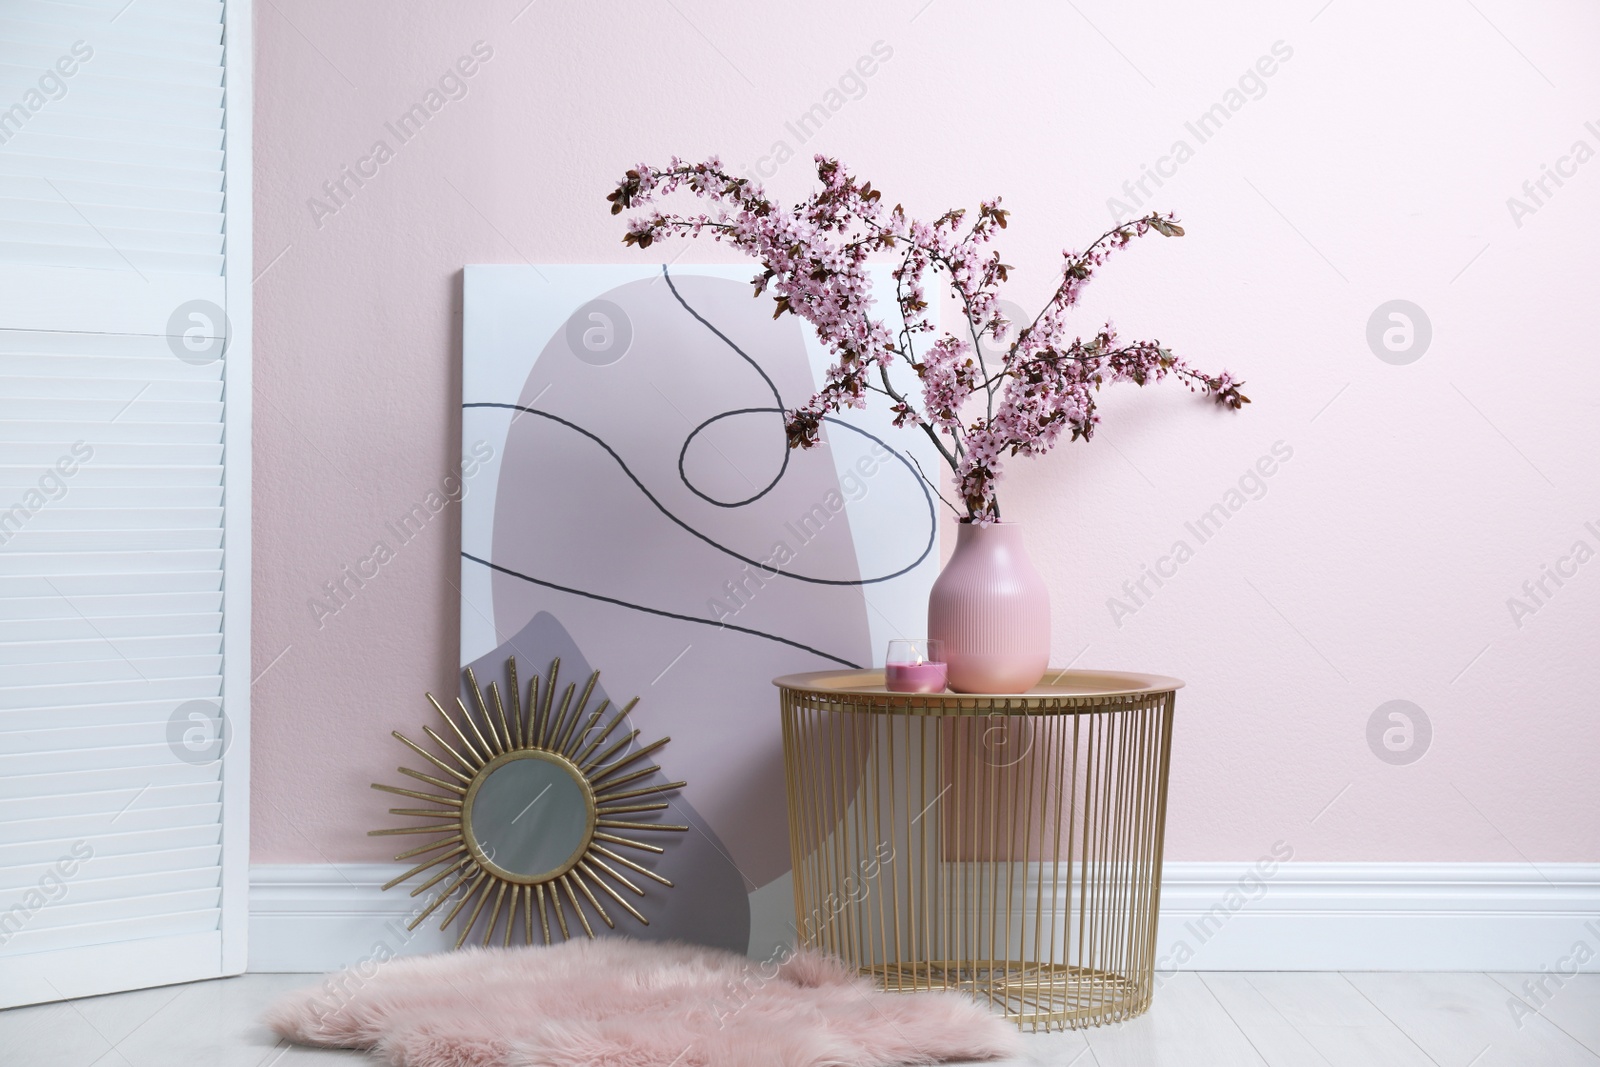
x=914, y=666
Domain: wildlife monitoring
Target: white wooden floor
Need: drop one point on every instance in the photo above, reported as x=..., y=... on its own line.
x=1217, y=1019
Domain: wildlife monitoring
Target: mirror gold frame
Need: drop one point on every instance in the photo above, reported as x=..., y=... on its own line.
x=568, y=735
x=476, y=841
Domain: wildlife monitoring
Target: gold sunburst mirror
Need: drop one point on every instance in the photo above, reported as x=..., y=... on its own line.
x=531, y=803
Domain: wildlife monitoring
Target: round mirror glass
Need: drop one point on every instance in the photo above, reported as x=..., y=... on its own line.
x=531, y=817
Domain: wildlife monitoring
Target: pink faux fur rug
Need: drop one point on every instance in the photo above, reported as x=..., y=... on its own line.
x=621, y=1003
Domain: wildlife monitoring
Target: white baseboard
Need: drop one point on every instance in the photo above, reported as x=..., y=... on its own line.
x=1303, y=917
x=1378, y=916
x=323, y=916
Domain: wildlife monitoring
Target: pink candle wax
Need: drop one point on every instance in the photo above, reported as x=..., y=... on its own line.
x=925, y=677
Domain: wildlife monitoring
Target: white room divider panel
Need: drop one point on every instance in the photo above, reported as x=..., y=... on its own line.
x=124, y=493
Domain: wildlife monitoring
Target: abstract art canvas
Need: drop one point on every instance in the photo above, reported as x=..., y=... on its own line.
x=632, y=507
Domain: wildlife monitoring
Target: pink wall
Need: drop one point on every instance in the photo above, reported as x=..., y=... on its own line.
x=1375, y=163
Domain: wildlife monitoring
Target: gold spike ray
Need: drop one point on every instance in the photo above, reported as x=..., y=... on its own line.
x=483, y=710
x=472, y=724
x=577, y=712
x=478, y=758
x=516, y=701
x=616, y=720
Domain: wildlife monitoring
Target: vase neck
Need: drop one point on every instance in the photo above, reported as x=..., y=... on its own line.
x=995, y=533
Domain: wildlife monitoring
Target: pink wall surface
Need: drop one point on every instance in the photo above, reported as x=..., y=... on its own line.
x=1416, y=152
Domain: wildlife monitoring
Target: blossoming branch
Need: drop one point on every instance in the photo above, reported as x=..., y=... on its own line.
x=814, y=258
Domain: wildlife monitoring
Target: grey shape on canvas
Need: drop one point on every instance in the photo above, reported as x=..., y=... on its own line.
x=707, y=902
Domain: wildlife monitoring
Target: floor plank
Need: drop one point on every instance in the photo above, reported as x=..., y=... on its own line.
x=1462, y=1019
x=1574, y=1006
x=116, y=1015
x=1304, y=1018
x=54, y=1034
x=284, y=1055
x=211, y=1023
x=1186, y=1025
x=1067, y=1048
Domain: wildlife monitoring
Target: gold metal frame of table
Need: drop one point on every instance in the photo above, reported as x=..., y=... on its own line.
x=1007, y=845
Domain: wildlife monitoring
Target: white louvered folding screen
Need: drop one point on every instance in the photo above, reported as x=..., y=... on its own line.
x=124, y=493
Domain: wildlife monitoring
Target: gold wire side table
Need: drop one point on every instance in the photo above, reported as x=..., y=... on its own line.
x=1006, y=845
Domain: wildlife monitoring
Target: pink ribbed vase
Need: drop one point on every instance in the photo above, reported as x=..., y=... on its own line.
x=992, y=611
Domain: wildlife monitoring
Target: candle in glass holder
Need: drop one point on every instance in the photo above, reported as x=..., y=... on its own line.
x=914, y=666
